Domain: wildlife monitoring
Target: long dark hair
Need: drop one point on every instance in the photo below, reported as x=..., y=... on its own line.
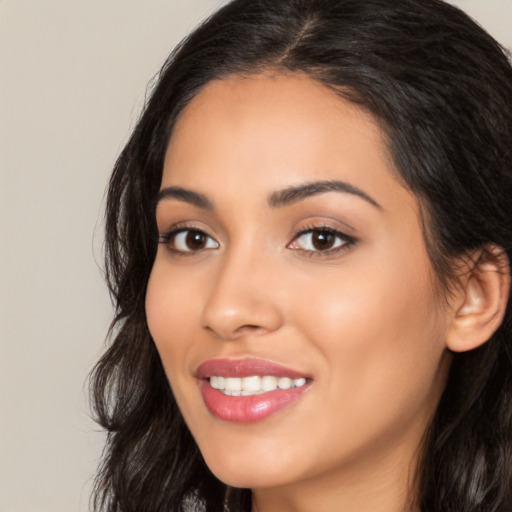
x=441, y=89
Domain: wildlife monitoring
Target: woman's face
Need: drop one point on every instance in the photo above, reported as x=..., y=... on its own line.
x=292, y=266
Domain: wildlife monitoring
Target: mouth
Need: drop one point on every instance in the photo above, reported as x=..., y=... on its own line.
x=249, y=390
x=254, y=384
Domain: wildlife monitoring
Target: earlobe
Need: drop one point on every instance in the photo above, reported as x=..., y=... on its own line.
x=480, y=302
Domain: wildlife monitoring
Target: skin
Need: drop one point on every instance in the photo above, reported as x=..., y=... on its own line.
x=365, y=320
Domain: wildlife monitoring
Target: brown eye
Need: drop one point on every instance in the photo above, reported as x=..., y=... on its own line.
x=195, y=240
x=320, y=240
x=191, y=240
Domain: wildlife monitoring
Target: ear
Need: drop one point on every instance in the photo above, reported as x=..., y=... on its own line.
x=479, y=302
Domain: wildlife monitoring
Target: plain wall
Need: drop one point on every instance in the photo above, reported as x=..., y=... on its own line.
x=72, y=79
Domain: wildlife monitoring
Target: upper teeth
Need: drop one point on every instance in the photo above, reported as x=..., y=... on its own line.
x=254, y=385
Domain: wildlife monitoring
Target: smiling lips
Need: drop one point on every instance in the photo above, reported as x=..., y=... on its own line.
x=248, y=390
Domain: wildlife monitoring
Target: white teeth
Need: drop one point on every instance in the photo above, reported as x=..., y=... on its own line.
x=268, y=383
x=284, y=383
x=217, y=382
x=253, y=385
x=233, y=384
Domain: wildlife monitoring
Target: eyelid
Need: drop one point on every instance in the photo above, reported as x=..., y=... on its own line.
x=177, y=229
x=182, y=226
x=347, y=240
x=344, y=241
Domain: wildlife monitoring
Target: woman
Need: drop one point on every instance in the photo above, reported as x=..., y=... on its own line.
x=308, y=244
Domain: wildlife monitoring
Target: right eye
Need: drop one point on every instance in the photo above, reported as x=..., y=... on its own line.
x=188, y=240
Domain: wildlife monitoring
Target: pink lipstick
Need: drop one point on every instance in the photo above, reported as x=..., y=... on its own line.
x=249, y=390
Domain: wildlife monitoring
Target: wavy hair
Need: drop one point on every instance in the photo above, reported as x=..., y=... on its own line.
x=441, y=89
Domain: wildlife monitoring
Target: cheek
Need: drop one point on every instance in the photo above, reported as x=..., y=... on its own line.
x=369, y=302
x=169, y=312
x=380, y=331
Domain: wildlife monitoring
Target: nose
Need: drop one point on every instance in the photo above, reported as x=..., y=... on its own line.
x=241, y=301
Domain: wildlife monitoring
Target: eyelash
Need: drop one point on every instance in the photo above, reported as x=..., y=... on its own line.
x=172, y=234
x=345, y=240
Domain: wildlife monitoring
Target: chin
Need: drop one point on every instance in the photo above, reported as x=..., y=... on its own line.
x=236, y=470
x=249, y=479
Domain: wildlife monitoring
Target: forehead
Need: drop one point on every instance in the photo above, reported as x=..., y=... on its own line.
x=263, y=104
x=269, y=131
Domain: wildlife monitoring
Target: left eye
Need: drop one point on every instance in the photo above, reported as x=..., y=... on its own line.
x=189, y=240
x=319, y=240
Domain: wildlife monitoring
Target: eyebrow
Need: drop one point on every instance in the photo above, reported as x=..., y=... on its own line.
x=185, y=195
x=297, y=193
x=277, y=199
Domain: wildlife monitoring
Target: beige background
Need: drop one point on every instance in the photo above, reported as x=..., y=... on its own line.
x=72, y=78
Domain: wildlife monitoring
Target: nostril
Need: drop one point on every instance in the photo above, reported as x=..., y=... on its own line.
x=235, y=334
x=253, y=329
x=248, y=329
